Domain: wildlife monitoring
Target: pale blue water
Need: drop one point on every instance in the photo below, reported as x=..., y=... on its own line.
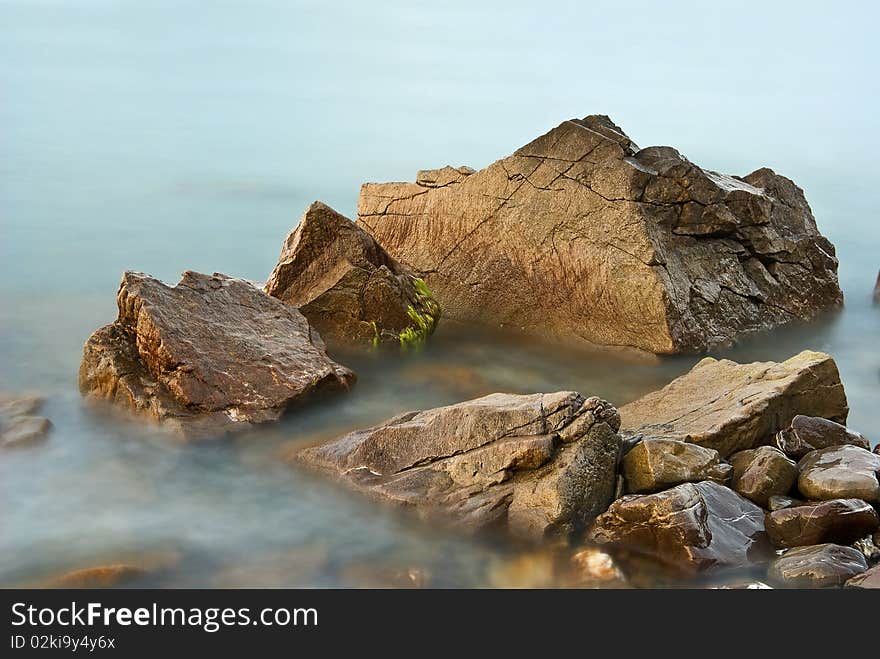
x=166, y=136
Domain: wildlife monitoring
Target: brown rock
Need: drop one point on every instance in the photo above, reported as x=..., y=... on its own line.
x=730, y=407
x=19, y=423
x=580, y=234
x=817, y=566
x=537, y=464
x=842, y=521
x=867, y=579
x=208, y=355
x=657, y=464
x=761, y=473
x=347, y=285
x=593, y=567
x=840, y=472
x=807, y=433
x=693, y=527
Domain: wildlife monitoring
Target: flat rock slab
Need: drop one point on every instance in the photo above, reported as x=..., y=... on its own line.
x=580, y=234
x=537, y=465
x=730, y=407
x=208, y=355
x=694, y=527
x=840, y=472
x=347, y=286
x=842, y=521
x=817, y=566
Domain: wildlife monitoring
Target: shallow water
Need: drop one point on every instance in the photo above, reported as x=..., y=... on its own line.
x=162, y=137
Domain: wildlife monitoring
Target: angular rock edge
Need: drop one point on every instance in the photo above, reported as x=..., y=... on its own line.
x=209, y=355
x=580, y=234
x=348, y=286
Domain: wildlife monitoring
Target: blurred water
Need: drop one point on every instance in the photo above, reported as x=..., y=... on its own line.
x=166, y=136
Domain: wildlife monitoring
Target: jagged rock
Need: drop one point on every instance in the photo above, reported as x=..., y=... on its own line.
x=761, y=473
x=347, y=285
x=868, y=579
x=694, y=527
x=208, y=355
x=20, y=424
x=731, y=407
x=537, y=464
x=807, y=433
x=842, y=521
x=817, y=566
x=581, y=234
x=657, y=464
x=840, y=472
x=778, y=502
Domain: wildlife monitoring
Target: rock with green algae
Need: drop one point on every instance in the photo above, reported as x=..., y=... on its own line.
x=348, y=286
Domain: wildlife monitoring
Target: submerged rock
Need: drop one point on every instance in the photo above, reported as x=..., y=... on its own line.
x=729, y=407
x=347, y=286
x=842, y=521
x=208, y=355
x=535, y=464
x=761, y=473
x=840, y=472
x=817, y=566
x=807, y=433
x=877, y=290
x=694, y=527
x=581, y=234
x=657, y=464
x=103, y=576
x=868, y=579
x=20, y=425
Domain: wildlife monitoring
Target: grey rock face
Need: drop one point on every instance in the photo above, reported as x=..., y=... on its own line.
x=208, y=355
x=537, y=464
x=583, y=235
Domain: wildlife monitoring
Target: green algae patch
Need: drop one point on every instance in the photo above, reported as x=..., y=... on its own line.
x=424, y=315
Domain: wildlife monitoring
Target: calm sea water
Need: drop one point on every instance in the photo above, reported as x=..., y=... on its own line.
x=166, y=136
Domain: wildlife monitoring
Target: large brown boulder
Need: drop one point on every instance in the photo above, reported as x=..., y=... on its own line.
x=535, y=464
x=347, y=286
x=808, y=433
x=731, y=407
x=694, y=527
x=208, y=355
x=581, y=234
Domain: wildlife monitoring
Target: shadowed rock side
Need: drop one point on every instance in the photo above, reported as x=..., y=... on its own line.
x=347, y=285
x=730, y=407
x=536, y=464
x=208, y=355
x=582, y=234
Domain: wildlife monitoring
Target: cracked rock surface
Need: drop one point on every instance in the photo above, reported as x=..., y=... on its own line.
x=580, y=234
x=208, y=355
x=347, y=286
x=537, y=465
x=730, y=407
